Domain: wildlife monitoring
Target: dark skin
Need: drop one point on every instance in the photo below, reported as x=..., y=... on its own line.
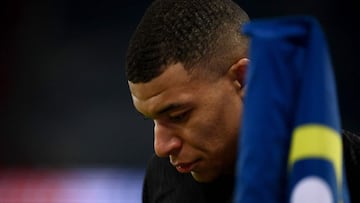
x=196, y=120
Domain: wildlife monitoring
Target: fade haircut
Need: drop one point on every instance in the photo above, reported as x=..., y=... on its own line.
x=196, y=33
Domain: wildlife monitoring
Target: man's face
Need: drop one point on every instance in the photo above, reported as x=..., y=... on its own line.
x=196, y=121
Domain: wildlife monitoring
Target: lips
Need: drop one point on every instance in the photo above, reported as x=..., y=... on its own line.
x=185, y=167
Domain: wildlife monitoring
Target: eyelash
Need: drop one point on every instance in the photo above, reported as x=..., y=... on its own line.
x=180, y=117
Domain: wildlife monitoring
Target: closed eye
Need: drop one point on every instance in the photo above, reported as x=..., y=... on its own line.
x=181, y=117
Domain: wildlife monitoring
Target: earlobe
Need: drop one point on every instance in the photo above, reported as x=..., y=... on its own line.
x=238, y=71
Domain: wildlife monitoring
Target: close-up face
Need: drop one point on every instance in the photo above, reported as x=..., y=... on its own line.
x=196, y=121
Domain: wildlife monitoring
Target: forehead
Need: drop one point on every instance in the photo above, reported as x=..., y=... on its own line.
x=174, y=85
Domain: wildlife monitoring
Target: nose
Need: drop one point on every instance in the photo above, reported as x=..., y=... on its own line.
x=166, y=142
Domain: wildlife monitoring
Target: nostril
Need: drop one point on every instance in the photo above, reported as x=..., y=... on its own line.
x=168, y=147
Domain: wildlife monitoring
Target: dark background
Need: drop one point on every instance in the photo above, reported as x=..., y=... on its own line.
x=64, y=100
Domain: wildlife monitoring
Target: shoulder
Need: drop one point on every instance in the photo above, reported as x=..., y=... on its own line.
x=160, y=172
x=163, y=183
x=351, y=143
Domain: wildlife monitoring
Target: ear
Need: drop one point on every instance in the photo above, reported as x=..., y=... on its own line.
x=237, y=72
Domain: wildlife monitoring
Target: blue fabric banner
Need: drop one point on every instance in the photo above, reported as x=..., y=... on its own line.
x=290, y=141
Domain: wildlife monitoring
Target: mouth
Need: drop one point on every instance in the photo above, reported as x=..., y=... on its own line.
x=185, y=167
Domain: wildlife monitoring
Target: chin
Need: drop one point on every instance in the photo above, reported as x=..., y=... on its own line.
x=203, y=178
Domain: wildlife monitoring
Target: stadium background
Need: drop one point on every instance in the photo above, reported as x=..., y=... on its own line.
x=64, y=100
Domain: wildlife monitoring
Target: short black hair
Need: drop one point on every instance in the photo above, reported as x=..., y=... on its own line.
x=185, y=31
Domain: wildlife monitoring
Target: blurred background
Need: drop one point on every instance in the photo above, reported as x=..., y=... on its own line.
x=68, y=127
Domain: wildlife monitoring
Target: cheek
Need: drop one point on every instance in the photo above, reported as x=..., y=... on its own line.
x=228, y=122
x=210, y=127
x=216, y=121
x=202, y=130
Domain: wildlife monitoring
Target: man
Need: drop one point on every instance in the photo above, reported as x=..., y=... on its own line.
x=186, y=64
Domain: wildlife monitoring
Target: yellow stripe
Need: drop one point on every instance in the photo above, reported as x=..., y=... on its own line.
x=317, y=141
